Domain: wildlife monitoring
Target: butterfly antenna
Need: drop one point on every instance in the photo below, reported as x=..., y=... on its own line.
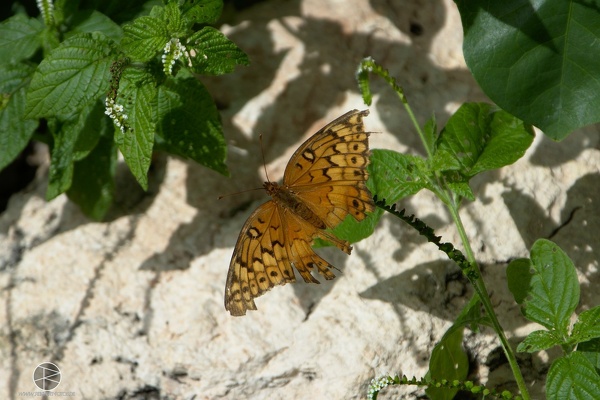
x=236, y=193
x=262, y=152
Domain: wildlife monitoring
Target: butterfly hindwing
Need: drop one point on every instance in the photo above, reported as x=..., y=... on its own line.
x=260, y=260
x=301, y=237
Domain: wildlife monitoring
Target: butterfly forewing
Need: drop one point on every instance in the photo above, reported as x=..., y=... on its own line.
x=334, y=153
x=329, y=171
x=323, y=182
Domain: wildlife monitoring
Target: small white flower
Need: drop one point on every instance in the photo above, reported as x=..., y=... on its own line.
x=115, y=112
x=172, y=52
x=377, y=384
x=46, y=8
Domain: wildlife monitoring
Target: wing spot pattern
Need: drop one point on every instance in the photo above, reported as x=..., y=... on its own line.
x=323, y=182
x=309, y=155
x=253, y=233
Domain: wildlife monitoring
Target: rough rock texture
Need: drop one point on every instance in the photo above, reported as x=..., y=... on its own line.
x=133, y=307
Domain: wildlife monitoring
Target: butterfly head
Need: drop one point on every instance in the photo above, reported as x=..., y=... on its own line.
x=271, y=188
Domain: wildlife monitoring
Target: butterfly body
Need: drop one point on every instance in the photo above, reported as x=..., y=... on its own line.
x=323, y=182
x=286, y=199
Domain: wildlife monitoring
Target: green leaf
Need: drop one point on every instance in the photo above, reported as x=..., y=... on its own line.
x=591, y=351
x=587, y=326
x=430, y=132
x=450, y=349
x=572, y=377
x=15, y=131
x=519, y=274
x=93, y=177
x=90, y=132
x=554, y=288
x=507, y=142
x=50, y=40
x=121, y=11
x=73, y=75
x=61, y=164
x=443, y=160
x=448, y=361
x=213, y=53
x=537, y=61
x=539, y=340
x=73, y=140
x=482, y=138
x=471, y=316
x=190, y=123
x=202, y=11
x=394, y=175
x=94, y=21
x=462, y=189
x=19, y=38
x=354, y=231
x=465, y=133
x=144, y=38
x=172, y=16
x=137, y=94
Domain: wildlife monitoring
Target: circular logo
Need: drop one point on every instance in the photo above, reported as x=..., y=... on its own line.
x=46, y=376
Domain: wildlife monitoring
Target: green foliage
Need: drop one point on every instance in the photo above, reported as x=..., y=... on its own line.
x=572, y=377
x=448, y=359
x=538, y=61
x=187, y=102
x=93, y=182
x=552, y=292
x=547, y=288
x=477, y=138
x=137, y=95
x=73, y=74
x=480, y=137
x=440, y=386
x=14, y=131
x=213, y=53
x=78, y=69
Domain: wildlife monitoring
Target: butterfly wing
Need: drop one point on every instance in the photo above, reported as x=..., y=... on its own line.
x=260, y=260
x=271, y=241
x=328, y=172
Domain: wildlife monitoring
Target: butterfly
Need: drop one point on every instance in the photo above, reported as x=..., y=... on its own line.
x=324, y=181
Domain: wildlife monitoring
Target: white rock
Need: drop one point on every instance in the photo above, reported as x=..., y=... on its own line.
x=133, y=308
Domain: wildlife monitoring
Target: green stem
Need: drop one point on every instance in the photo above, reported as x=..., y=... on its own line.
x=473, y=273
x=484, y=296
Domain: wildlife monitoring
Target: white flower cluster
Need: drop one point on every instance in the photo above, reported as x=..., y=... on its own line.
x=115, y=112
x=46, y=8
x=172, y=52
x=377, y=384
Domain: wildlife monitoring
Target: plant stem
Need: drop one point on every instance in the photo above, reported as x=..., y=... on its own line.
x=484, y=296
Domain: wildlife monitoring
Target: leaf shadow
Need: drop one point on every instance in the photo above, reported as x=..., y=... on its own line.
x=436, y=288
x=550, y=153
x=575, y=234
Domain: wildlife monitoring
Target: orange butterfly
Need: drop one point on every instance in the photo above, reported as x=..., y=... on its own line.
x=323, y=182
